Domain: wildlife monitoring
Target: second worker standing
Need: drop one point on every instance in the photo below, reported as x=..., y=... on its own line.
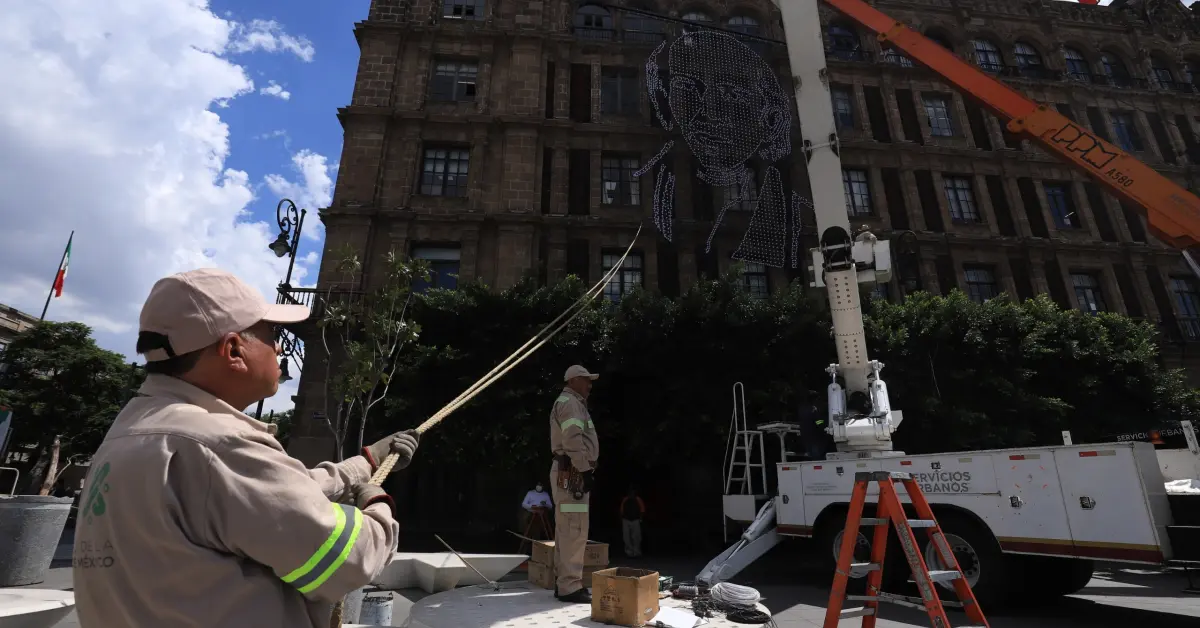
x=575, y=447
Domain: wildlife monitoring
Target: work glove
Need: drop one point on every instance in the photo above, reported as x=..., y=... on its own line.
x=589, y=480
x=402, y=443
x=367, y=494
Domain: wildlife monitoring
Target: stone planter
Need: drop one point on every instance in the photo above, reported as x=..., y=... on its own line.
x=30, y=528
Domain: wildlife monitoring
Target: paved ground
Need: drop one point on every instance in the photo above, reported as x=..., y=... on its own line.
x=1118, y=597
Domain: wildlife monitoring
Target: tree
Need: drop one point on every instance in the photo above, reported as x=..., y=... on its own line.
x=64, y=392
x=368, y=331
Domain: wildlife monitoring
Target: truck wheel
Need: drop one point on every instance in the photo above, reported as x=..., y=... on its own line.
x=828, y=540
x=1050, y=577
x=978, y=555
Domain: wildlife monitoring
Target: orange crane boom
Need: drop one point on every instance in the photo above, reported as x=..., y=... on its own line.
x=1172, y=212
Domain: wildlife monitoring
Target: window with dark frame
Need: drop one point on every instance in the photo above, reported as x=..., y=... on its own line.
x=858, y=192
x=937, y=108
x=619, y=91
x=755, y=279
x=626, y=279
x=1126, y=130
x=742, y=194
x=1088, y=293
x=444, y=171
x=987, y=55
x=981, y=283
x=881, y=291
x=960, y=196
x=443, y=264
x=453, y=81
x=463, y=9
x=843, y=106
x=1026, y=56
x=844, y=43
x=620, y=187
x=1062, y=205
x=1187, y=298
x=1078, y=67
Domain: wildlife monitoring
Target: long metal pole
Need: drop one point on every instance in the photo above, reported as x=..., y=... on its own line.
x=56, y=271
x=295, y=243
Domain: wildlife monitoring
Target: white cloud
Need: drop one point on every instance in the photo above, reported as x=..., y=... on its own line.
x=268, y=36
x=276, y=90
x=108, y=126
x=313, y=191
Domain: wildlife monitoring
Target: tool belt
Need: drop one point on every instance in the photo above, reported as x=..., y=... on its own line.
x=568, y=478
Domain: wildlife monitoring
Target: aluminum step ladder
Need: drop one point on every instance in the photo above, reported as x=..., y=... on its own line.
x=740, y=460
x=890, y=512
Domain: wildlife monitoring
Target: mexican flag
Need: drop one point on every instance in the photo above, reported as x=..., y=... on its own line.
x=62, y=268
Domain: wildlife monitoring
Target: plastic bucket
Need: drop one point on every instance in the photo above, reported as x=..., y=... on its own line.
x=30, y=528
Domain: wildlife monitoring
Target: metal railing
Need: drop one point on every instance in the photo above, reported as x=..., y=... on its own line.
x=316, y=298
x=586, y=33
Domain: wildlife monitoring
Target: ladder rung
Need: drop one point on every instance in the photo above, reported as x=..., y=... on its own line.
x=922, y=523
x=872, y=521
x=886, y=597
x=944, y=575
x=860, y=611
x=858, y=570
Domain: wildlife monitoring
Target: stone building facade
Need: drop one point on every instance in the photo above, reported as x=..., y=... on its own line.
x=499, y=139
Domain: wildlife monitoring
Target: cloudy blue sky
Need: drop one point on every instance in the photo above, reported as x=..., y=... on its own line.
x=163, y=132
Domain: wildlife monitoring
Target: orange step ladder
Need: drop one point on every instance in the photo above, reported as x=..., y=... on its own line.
x=890, y=511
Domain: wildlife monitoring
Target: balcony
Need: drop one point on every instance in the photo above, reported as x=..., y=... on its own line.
x=1033, y=72
x=316, y=298
x=643, y=37
x=846, y=54
x=1175, y=86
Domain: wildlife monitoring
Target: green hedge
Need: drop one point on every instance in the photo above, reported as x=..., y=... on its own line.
x=966, y=375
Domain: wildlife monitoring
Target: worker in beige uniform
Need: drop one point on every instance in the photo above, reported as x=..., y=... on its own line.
x=192, y=515
x=576, y=448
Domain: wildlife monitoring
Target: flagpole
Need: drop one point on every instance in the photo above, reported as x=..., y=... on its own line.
x=56, y=271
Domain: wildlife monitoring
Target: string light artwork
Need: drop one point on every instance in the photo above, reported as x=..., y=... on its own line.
x=731, y=110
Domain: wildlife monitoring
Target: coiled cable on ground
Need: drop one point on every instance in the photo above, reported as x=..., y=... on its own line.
x=735, y=595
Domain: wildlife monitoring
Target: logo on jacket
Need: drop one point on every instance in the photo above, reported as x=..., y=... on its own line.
x=95, y=505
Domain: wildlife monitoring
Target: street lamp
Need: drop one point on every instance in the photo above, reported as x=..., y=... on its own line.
x=291, y=222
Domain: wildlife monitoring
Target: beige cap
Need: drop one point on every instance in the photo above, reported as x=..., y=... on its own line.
x=579, y=371
x=195, y=309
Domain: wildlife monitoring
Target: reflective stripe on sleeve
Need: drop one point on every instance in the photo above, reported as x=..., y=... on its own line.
x=570, y=422
x=573, y=508
x=591, y=426
x=331, y=554
x=562, y=398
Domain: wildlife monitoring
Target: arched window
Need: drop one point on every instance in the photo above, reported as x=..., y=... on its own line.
x=940, y=40
x=593, y=22
x=743, y=24
x=695, y=17
x=1162, y=70
x=1192, y=71
x=1077, y=66
x=1027, y=56
x=891, y=55
x=987, y=55
x=1114, y=68
x=844, y=43
x=642, y=28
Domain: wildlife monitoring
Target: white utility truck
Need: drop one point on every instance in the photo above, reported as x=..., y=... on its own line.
x=1047, y=512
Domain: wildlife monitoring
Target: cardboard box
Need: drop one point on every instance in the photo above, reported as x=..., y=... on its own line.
x=543, y=575
x=594, y=555
x=624, y=596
